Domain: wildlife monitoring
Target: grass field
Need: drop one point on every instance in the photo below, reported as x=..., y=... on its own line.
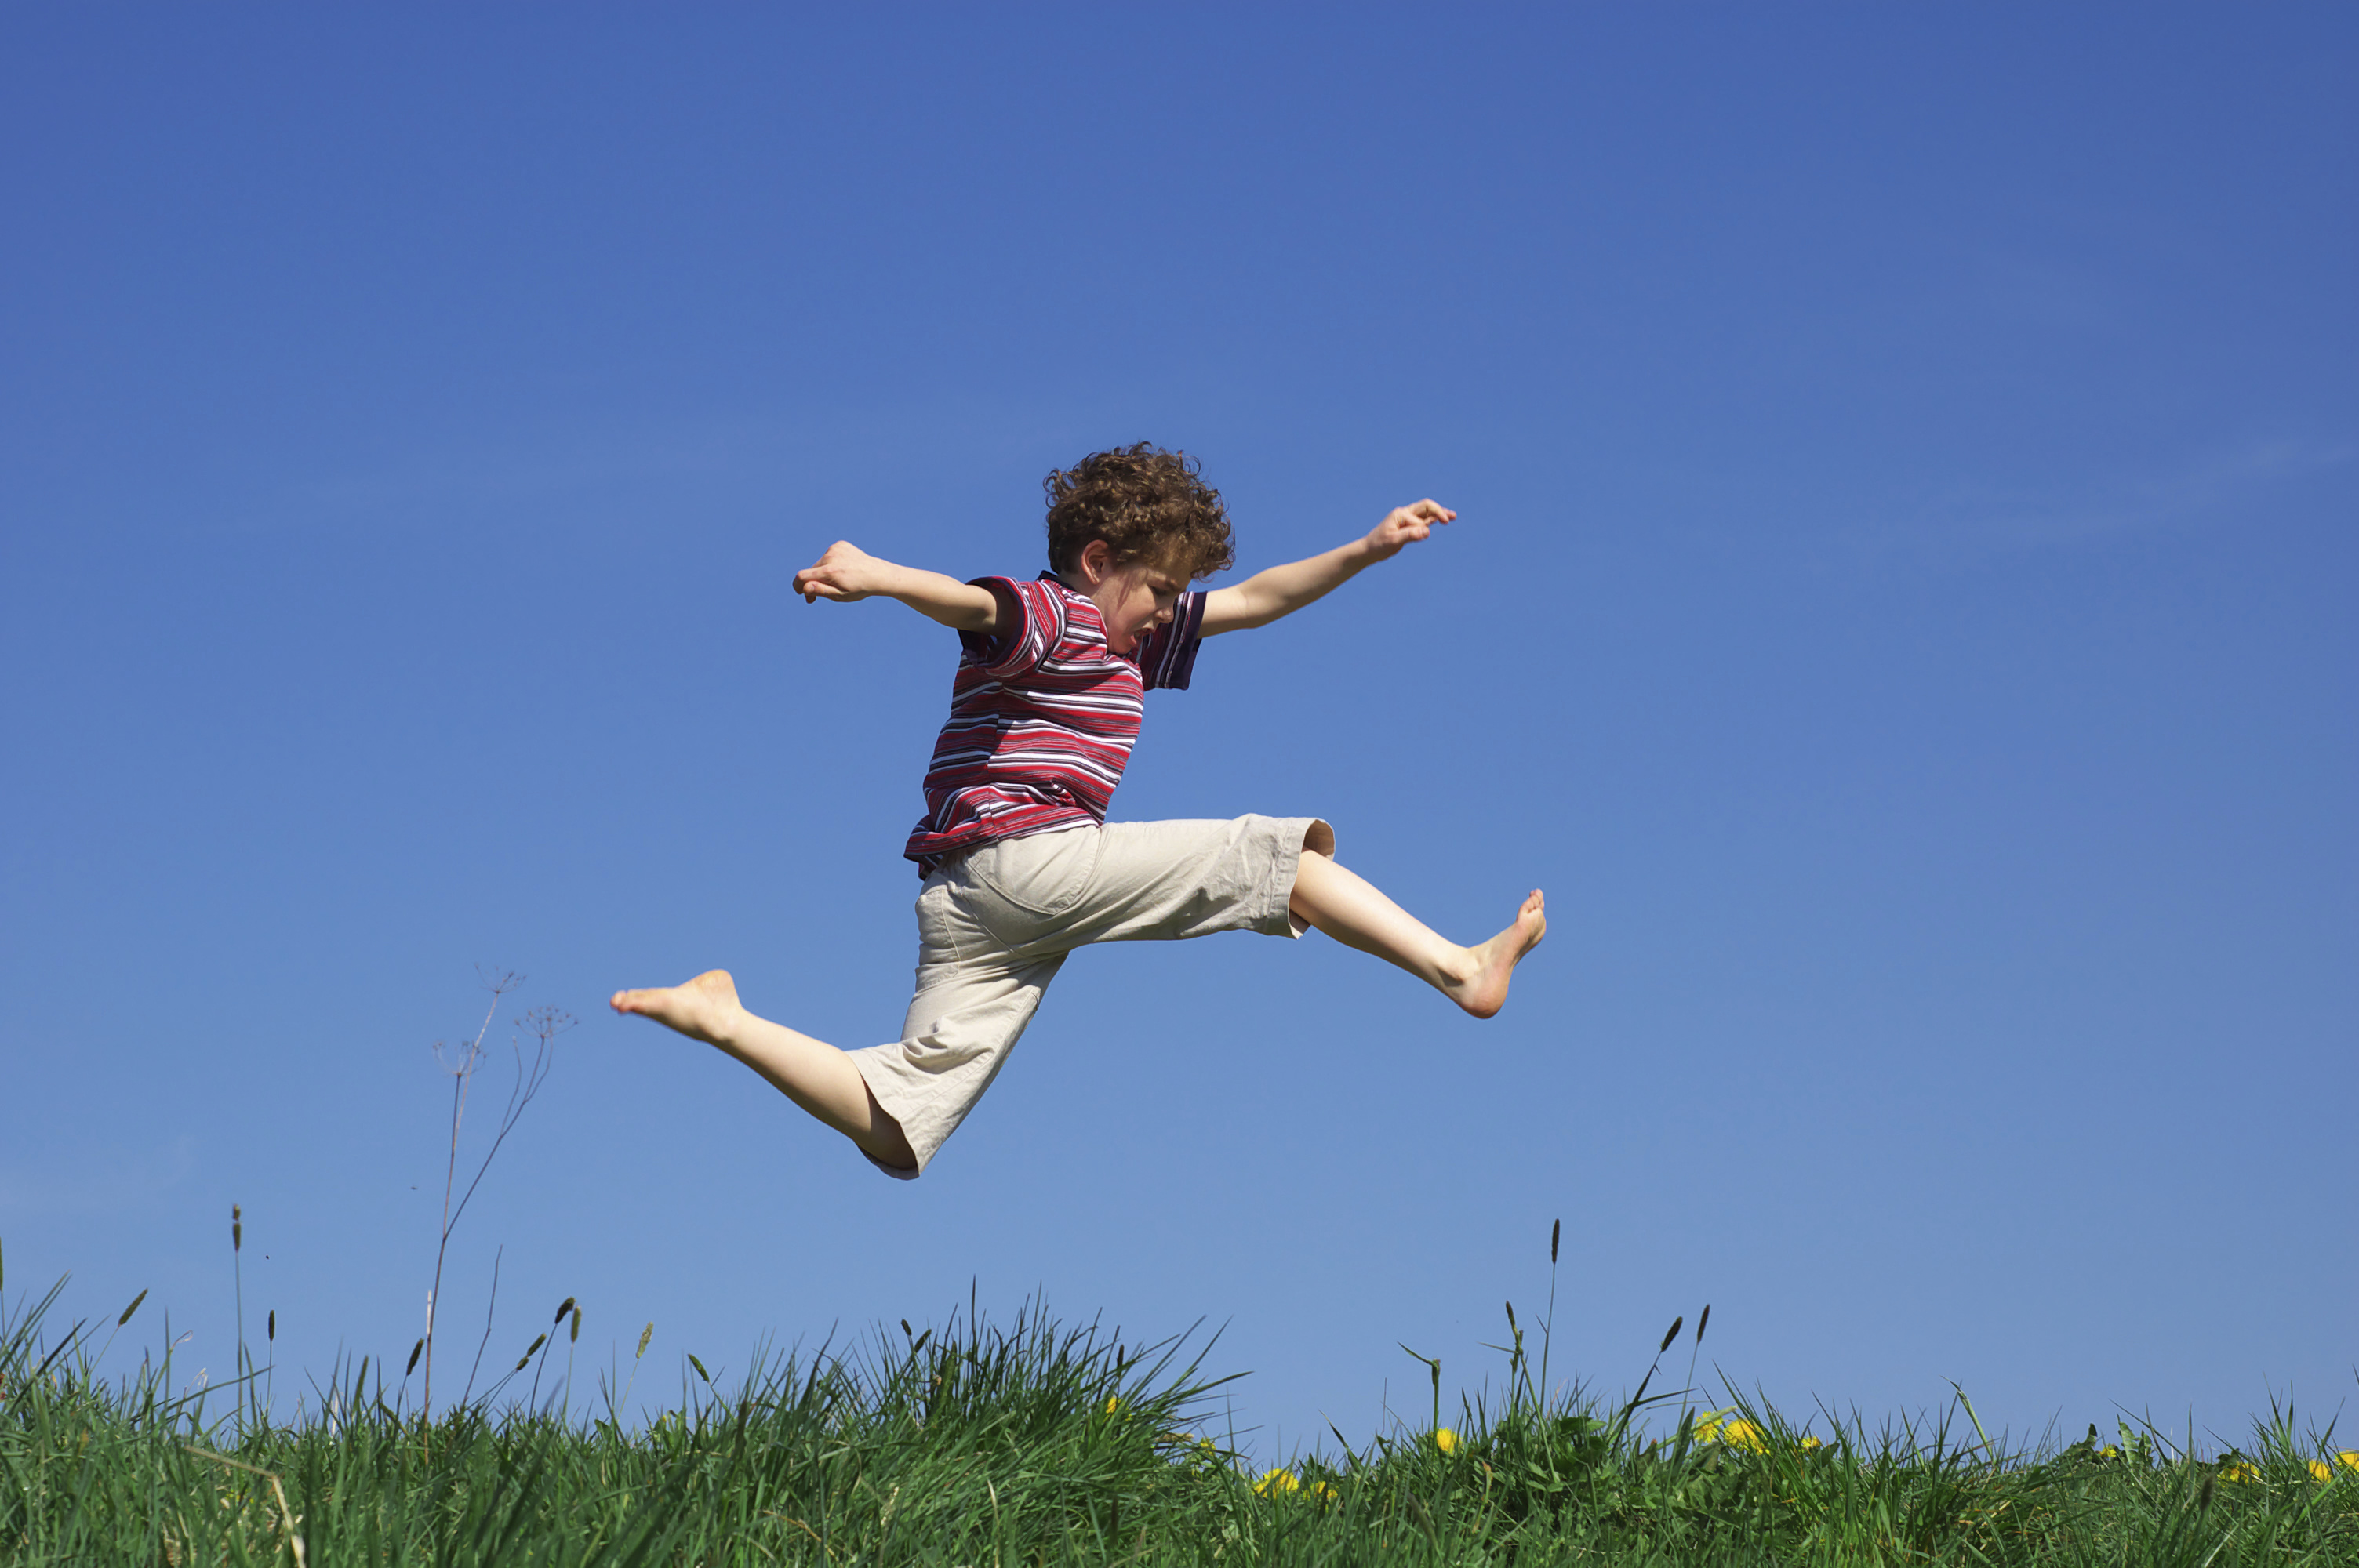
x=1029, y=1442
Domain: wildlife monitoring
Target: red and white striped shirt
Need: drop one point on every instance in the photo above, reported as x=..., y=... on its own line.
x=1043, y=717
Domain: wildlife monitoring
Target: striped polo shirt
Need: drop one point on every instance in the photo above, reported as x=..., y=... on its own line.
x=1043, y=717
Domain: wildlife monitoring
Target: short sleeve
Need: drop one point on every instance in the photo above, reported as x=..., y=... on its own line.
x=1167, y=655
x=1015, y=650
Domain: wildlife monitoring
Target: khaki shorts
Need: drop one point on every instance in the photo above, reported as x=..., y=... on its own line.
x=994, y=927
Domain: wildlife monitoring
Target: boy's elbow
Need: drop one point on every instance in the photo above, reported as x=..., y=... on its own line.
x=1268, y=606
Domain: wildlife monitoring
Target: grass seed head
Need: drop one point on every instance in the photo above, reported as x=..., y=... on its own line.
x=129, y=1310
x=271, y=1326
x=236, y=1228
x=1703, y=1320
x=646, y=1335
x=1670, y=1333
x=415, y=1352
x=700, y=1368
x=1556, y=1233
x=2203, y=1500
x=573, y=1334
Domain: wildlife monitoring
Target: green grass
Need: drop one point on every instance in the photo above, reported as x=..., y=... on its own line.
x=1029, y=1443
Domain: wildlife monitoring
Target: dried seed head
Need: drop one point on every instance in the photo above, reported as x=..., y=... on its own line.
x=415, y=1351
x=1670, y=1333
x=1556, y=1233
x=573, y=1334
x=644, y=1334
x=562, y=1308
x=1702, y=1321
x=129, y=1310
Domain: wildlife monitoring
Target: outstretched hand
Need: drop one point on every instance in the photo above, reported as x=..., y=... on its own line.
x=845, y=573
x=1405, y=526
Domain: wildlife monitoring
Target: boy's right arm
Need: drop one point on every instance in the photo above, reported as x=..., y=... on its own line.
x=848, y=572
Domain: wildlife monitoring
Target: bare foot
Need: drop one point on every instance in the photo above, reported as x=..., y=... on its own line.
x=1484, y=990
x=702, y=1009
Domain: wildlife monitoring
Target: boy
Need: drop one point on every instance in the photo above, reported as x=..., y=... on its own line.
x=1020, y=865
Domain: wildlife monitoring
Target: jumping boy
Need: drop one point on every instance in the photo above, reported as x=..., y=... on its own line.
x=1020, y=865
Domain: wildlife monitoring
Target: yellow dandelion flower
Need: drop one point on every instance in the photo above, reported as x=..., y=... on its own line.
x=2322, y=1470
x=1274, y=1482
x=2239, y=1473
x=1445, y=1440
x=2349, y=1459
x=1744, y=1435
x=1719, y=1426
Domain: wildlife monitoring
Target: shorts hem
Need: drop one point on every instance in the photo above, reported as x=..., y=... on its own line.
x=885, y=1090
x=1316, y=837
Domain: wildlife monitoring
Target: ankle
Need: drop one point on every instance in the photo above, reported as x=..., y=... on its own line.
x=1459, y=968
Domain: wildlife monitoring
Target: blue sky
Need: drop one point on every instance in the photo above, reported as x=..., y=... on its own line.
x=1900, y=613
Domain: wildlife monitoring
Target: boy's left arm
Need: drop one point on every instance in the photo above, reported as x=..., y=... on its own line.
x=1265, y=596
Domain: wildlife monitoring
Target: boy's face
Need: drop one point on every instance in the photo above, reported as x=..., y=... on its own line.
x=1132, y=599
x=1135, y=599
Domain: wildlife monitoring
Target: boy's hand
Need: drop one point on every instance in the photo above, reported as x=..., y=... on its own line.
x=1406, y=525
x=845, y=573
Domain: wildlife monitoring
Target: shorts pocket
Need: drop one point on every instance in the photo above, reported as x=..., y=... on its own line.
x=1019, y=885
x=937, y=923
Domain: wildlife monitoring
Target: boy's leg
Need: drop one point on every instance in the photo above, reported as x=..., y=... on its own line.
x=1351, y=910
x=812, y=1073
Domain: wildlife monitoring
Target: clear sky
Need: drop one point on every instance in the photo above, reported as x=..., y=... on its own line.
x=1901, y=614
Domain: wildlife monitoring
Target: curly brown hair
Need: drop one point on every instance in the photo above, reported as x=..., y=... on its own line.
x=1147, y=504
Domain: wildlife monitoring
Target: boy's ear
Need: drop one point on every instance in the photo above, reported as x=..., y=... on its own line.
x=1095, y=561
